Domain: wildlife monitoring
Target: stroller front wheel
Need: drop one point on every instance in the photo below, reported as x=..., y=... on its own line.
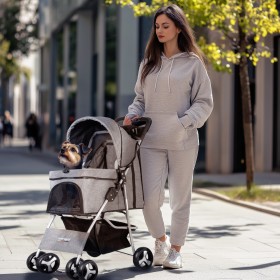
x=88, y=270
x=48, y=263
x=31, y=261
x=72, y=269
x=143, y=258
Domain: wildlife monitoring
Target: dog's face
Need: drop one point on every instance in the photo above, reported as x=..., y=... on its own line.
x=71, y=155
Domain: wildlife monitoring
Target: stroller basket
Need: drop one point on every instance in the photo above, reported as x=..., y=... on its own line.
x=103, y=238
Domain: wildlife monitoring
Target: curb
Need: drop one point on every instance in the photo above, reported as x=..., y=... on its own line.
x=249, y=205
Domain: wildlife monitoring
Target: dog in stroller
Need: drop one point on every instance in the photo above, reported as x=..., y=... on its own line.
x=109, y=181
x=72, y=156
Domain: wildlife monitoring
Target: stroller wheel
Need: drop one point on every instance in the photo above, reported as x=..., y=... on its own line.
x=88, y=270
x=143, y=258
x=31, y=261
x=48, y=263
x=72, y=269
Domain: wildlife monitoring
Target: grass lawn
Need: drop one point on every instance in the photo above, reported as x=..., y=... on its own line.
x=256, y=194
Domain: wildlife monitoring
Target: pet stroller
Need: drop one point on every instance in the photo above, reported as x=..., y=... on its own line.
x=109, y=181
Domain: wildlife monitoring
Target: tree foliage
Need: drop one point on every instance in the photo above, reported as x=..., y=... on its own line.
x=18, y=33
x=259, y=19
x=4, y=48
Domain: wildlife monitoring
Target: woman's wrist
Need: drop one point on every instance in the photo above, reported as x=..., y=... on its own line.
x=130, y=116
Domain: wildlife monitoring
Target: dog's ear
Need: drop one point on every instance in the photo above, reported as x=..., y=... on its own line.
x=85, y=150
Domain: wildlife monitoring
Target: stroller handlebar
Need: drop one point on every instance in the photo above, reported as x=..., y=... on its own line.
x=138, y=128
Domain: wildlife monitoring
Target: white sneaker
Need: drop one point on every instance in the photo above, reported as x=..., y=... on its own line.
x=173, y=260
x=161, y=251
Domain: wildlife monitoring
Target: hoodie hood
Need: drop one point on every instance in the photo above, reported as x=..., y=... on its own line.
x=170, y=62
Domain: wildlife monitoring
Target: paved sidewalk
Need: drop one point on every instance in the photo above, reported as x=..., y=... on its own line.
x=225, y=241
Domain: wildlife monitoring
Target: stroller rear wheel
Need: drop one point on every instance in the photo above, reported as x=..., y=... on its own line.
x=72, y=269
x=143, y=258
x=31, y=261
x=88, y=270
x=48, y=263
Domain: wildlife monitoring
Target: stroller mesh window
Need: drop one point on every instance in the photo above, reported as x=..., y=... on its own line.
x=65, y=198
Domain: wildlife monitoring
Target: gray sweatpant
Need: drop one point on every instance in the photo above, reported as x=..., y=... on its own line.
x=178, y=166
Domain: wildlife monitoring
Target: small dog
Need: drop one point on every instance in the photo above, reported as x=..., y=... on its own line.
x=72, y=155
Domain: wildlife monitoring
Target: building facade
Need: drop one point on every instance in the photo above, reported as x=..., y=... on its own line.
x=89, y=61
x=90, y=55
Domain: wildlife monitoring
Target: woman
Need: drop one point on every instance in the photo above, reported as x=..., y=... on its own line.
x=32, y=130
x=174, y=90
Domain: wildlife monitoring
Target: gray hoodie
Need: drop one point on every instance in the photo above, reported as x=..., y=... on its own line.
x=178, y=99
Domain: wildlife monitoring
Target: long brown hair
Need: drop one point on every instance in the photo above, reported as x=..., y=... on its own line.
x=186, y=39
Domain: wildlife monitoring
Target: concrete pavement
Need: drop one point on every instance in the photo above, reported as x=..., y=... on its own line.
x=225, y=241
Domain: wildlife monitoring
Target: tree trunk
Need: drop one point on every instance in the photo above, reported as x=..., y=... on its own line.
x=246, y=102
x=247, y=121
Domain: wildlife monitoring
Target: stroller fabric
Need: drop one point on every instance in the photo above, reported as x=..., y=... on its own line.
x=83, y=191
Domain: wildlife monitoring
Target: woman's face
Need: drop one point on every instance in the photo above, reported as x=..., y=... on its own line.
x=166, y=29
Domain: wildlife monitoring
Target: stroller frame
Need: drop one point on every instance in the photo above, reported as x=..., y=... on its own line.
x=76, y=268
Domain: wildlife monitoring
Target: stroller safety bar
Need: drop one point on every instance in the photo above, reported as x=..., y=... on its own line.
x=133, y=227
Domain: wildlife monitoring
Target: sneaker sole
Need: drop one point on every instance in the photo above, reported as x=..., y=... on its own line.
x=171, y=267
x=158, y=263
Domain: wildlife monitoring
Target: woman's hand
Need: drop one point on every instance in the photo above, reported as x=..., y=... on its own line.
x=127, y=120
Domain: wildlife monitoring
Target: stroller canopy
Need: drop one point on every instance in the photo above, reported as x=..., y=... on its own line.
x=82, y=130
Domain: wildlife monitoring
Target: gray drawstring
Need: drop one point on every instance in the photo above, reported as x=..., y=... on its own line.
x=169, y=89
x=157, y=76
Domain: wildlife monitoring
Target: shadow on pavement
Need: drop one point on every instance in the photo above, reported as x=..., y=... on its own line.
x=265, y=265
x=24, y=197
x=20, y=161
x=33, y=276
x=8, y=227
x=25, y=215
x=118, y=274
x=132, y=272
x=218, y=231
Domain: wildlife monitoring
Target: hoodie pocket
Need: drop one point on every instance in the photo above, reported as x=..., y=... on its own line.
x=166, y=130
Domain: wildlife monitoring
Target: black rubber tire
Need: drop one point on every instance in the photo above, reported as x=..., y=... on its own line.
x=88, y=270
x=143, y=258
x=72, y=270
x=48, y=263
x=31, y=261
